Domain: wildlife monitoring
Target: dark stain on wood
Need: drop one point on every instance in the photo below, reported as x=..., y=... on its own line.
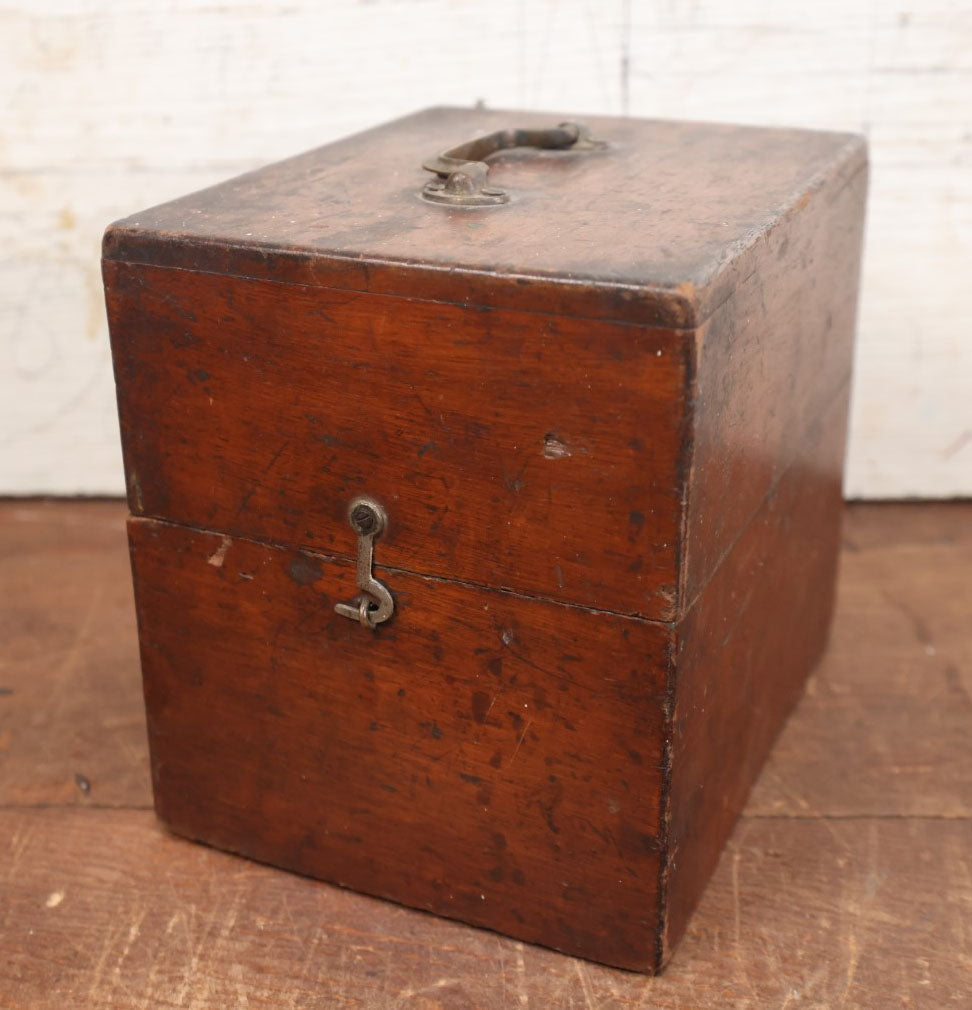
x=304, y=571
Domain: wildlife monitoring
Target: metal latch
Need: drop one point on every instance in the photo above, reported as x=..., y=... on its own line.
x=375, y=604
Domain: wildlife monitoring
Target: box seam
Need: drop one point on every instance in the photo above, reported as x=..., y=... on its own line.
x=394, y=570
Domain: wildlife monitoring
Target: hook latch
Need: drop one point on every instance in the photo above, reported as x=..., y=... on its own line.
x=375, y=604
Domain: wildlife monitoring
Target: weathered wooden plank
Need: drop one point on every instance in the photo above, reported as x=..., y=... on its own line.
x=72, y=729
x=831, y=892
x=884, y=726
x=104, y=908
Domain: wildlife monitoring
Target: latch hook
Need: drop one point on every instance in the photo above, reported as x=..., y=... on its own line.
x=375, y=603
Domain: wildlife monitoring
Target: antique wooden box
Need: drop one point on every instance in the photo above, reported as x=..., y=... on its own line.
x=484, y=527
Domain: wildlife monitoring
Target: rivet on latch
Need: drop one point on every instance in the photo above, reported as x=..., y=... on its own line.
x=375, y=603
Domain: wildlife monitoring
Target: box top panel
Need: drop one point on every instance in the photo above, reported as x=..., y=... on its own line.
x=654, y=227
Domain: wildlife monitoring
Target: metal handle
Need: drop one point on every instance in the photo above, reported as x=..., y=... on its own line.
x=462, y=172
x=375, y=604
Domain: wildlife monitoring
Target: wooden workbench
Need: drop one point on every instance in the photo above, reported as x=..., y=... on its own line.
x=848, y=881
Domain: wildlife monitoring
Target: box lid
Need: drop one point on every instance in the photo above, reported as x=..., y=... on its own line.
x=521, y=384
x=654, y=227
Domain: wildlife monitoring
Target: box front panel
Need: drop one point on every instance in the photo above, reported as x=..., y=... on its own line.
x=512, y=449
x=482, y=756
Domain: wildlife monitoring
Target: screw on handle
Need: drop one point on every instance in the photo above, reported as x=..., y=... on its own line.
x=462, y=172
x=375, y=604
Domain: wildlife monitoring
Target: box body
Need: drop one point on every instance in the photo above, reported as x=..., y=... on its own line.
x=606, y=422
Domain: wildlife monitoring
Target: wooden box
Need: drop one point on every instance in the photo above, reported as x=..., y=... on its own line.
x=600, y=396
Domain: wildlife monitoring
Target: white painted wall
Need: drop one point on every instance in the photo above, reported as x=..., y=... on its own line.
x=110, y=107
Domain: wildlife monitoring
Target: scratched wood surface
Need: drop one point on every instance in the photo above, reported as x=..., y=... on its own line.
x=847, y=882
x=511, y=748
x=113, y=107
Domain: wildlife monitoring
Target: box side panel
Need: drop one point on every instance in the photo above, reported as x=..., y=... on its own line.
x=743, y=653
x=772, y=359
x=482, y=756
x=511, y=449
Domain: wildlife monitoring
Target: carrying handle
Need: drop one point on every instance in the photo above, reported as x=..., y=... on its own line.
x=462, y=172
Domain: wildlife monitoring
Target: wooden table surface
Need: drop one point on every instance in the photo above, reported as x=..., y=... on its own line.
x=848, y=881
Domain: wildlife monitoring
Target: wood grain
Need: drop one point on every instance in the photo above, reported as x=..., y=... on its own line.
x=484, y=756
x=511, y=449
x=743, y=654
x=647, y=419
x=72, y=729
x=893, y=701
x=656, y=227
x=848, y=913
x=773, y=363
x=880, y=702
x=517, y=442
x=845, y=884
